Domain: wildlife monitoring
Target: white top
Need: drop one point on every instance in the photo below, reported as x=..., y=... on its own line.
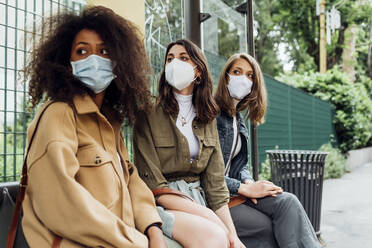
x=238, y=139
x=185, y=117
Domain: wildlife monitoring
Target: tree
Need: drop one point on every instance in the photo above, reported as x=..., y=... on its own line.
x=268, y=36
x=300, y=27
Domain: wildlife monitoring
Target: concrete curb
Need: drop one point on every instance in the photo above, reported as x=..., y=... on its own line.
x=359, y=157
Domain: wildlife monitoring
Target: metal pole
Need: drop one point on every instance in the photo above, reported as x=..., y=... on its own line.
x=322, y=43
x=192, y=21
x=253, y=127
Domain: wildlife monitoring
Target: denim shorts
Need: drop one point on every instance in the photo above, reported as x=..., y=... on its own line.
x=191, y=189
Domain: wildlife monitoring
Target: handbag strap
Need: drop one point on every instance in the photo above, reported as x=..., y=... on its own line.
x=169, y=191
x=236, y=200
x=22, y=190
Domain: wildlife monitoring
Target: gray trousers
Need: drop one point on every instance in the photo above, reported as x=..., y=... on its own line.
x=279, y=221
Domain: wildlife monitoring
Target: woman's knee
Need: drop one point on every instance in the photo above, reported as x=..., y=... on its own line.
x=195, y=231
x=289, y=199
x=251, y=222
x=214, y=237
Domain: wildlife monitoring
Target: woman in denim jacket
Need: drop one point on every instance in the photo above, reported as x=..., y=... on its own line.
x=271, y=217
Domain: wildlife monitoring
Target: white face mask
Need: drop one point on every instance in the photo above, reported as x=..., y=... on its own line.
x=179, y=74
x=239, y=86
x=94, y=71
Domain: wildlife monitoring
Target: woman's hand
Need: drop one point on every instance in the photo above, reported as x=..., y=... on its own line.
x=259, y=189
x=156, y=238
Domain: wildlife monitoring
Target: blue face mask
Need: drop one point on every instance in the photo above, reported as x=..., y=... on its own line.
x=94, y=71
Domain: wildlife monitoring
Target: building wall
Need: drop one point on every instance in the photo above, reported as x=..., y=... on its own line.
x=130, y=9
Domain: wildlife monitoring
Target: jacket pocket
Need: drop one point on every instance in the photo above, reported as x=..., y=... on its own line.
x=209, y=141
x=166, y=150
x=97, y=175
x=164, y=142
x=208, y=145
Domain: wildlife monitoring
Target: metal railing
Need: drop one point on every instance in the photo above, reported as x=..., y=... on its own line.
x=19, y=22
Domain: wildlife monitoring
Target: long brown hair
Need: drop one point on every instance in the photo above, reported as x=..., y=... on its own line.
x=255, y=102
x=49, y=73
x=205, y=106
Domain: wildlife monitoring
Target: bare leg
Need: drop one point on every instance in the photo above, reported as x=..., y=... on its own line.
x=194, y=231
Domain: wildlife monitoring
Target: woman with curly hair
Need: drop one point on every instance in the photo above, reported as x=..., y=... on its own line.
x=178, y=155
x=271, y=217
x=90, y=71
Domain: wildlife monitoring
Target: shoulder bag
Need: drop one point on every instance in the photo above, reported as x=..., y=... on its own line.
x=16, y=237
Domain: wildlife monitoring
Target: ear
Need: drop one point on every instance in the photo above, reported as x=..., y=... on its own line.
x=197, y=72
x=197, y=80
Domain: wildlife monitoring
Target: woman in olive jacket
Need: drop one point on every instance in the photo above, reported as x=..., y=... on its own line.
x=82, y=190
x=176, y=146
x=271, y=217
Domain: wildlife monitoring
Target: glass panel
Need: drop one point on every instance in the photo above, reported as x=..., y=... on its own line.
x=164, y=23
x=224, y=33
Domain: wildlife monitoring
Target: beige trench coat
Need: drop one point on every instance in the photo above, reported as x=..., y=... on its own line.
x=77, y=188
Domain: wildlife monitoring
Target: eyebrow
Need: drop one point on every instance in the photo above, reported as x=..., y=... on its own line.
x=237, y=67
x=86, y=43
x=183, y=53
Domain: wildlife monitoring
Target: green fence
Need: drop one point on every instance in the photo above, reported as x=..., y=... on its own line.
x=294, y=120
x=19, y=20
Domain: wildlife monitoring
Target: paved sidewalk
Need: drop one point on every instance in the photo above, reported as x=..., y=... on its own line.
x=346, y=220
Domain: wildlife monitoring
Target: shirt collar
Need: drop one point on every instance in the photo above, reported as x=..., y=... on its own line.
x=84, y=104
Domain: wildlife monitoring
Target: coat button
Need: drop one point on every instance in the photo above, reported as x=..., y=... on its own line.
x=98, y=160
x=146, y=174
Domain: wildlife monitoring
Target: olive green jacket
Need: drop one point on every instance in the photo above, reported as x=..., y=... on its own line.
x=161, y=154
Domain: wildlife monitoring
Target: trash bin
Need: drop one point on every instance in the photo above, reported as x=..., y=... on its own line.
x=301, y=173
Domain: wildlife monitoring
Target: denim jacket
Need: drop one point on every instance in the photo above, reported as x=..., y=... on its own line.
x=239, y=171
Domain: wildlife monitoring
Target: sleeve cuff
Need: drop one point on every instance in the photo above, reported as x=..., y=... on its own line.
x=233, y=185
x=157, y=224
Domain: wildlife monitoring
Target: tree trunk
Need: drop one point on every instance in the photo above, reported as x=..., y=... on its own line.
x=349, y=59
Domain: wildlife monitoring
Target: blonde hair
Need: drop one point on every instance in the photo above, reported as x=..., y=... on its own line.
x=255, y=102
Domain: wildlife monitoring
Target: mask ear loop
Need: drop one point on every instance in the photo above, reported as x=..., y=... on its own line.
x=197, y=78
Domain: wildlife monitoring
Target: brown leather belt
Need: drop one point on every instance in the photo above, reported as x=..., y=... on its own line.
x=236, y=200
x=162, y=191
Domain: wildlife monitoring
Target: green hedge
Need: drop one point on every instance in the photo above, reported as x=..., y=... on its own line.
x=353, y=118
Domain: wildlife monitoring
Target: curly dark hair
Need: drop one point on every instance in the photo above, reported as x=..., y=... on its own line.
x=205, y=105
x=49, y=74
